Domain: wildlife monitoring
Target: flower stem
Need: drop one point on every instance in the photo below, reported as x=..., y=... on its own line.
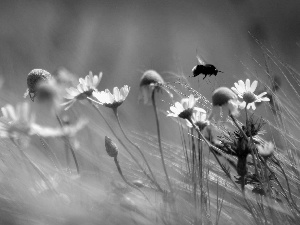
x=135, y=187
x=47, y=148
x=124, y=146
x=249, y=204
x=115, y=110
x=238, y=126
x=159, y=141
x=68, y=143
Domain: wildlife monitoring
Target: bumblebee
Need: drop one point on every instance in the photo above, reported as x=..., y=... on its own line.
x=205, y=69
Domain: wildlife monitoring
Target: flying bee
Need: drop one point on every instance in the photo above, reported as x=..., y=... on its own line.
x=205, y=69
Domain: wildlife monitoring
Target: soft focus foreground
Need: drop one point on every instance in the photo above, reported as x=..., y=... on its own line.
x=219, y=150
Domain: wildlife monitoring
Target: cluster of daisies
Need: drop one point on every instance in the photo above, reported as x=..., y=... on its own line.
x=18, y=123
x=45, y=87
x=222, y=99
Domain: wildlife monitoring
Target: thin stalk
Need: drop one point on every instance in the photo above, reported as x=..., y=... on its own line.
x=291, y=204
x=135, y=187
x=200, y=167
x=246, y=138
x=250, y=205
x=194, y=166
x=159, y=141
x=68, y=143
x=47, y=147
x=135, y=145
x=287, y=183
x=126, y=149
x=238, y=126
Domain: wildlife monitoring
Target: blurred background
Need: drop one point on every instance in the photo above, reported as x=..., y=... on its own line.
x=124, y=38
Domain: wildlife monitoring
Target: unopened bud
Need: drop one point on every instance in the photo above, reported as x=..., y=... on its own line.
x=111, y=147
x=222, y=95
x=151, y=77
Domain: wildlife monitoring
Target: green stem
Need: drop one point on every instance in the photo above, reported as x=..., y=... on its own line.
x=126, y=149
x=246, y=138
x=47, y=148
x=238, y=126
x=159, y=141
x=135, y=145
x=135, y=187
x=249, y=204
x=68, y=143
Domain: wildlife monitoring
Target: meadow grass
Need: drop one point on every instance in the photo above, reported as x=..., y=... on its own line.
x=237, y=170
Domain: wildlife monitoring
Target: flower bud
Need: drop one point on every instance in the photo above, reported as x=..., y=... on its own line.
x=111, y=147
x=222, y=95
x=151, y=77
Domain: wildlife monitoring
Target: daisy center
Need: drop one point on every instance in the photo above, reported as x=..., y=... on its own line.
x=185, y=114
x=201, y=124
x=249, y=97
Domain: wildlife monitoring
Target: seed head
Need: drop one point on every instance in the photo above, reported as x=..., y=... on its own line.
x=111, y=147
x=222, y=95
x=34, y=78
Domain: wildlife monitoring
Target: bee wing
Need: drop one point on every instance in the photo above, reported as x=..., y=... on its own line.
x=200, y=60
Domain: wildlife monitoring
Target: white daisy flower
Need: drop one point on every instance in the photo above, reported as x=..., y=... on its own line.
x=246, y=92
x=19, y=124
x=226, y=100
x=199, y=118
x=183, y=109
x=84, y=89
x=112, y=100
x=16, y=122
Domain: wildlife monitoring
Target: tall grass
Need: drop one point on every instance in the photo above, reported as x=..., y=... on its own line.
x=208, y=179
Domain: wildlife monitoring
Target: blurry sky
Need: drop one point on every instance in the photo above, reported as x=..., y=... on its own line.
x=124, y=38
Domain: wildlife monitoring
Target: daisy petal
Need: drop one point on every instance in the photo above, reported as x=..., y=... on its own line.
x=235, y=90
x=242, y=86
x=247, y=85
x=191, y=101
x=242, y=105
x=262, y=94
x=238, y=88
x=265, y=99
x=253, y=86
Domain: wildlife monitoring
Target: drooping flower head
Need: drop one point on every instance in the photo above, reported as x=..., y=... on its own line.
x=112, y=100
x=151, y=81
x=225, y=99
x=199, y=117
x=246, y=92
x=266, y=150
x=35, y=78
x=183, y=109
x=84, y=89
